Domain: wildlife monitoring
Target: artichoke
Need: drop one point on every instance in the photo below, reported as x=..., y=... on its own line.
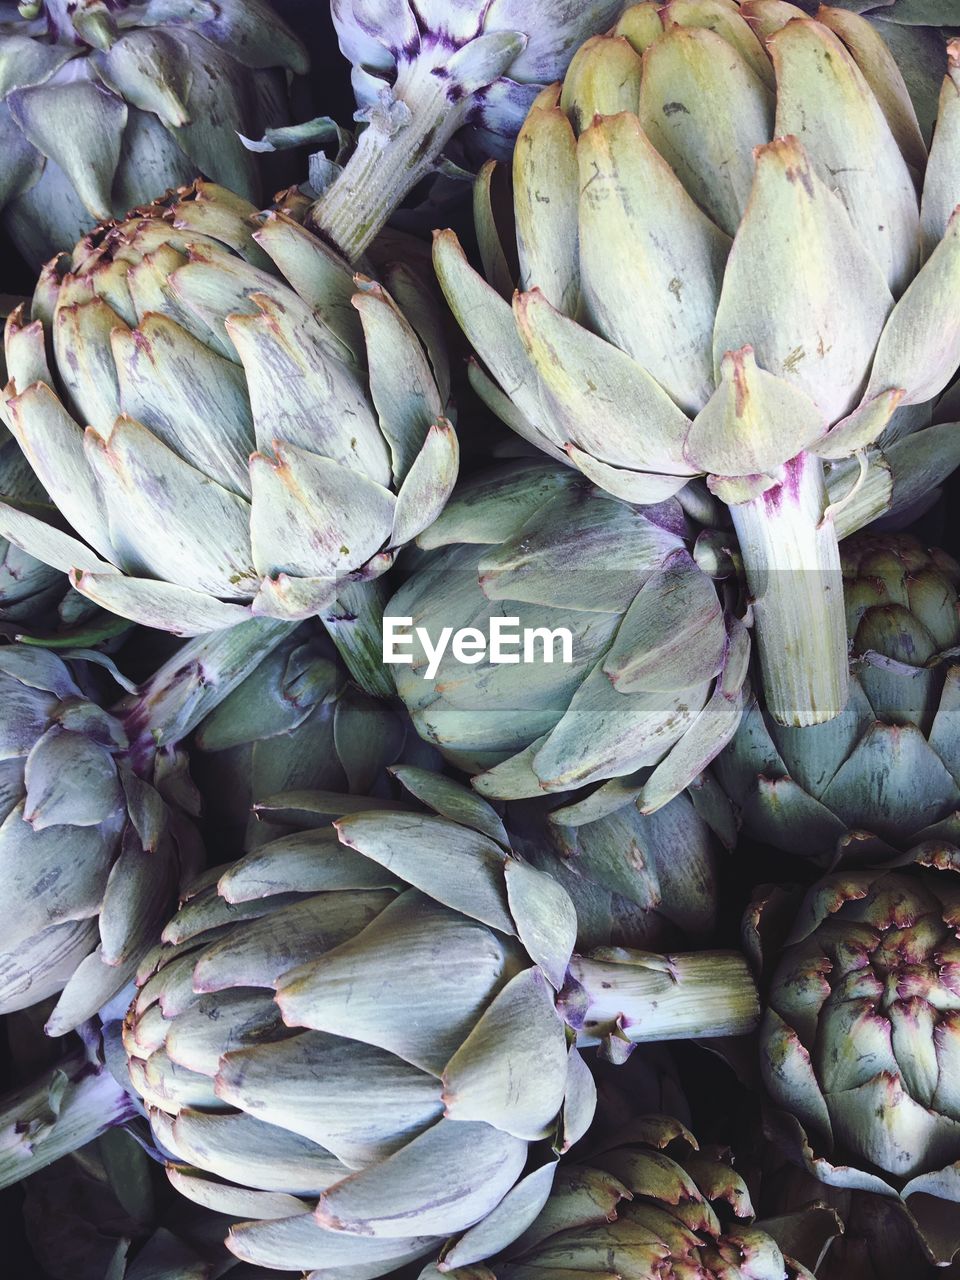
x=104, y=107
x=884, y=777
x=97, y=834
x=856, y=1042
x=361, y=1039
x=801, y=308
x=428, y=74
x=655, y=680
x=238, y=457
x=651, y=1204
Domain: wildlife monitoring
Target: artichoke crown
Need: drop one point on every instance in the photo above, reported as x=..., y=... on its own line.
x=226, y=440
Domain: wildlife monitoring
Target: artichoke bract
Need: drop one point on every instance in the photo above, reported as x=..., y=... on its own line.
x=655, y=679
x=801, y=308
x=227, y=441
x=655, y=1204
x=857, y=1043
x=97, y=836
x=104, y=107
x=295, y=724
x=361, y=1038
x=884, y=777
x=636, y=879
x=428, y=74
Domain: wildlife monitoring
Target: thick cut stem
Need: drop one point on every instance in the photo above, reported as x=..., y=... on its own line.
x=636, y=996
x=792, y=564
x=400, y=146
x=65, y=1109
x=354, y=623
x=197, y=679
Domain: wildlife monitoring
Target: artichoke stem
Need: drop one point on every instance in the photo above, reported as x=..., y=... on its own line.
x=60, y=1112
x=187, y=688
x=354, y=623
x=792, y=563
x=638, y=997
x=400, y=146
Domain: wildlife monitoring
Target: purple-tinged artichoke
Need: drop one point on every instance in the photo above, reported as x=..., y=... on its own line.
x=106, y=106
x=860, y=1037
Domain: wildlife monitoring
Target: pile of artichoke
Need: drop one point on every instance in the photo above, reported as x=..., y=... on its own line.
x=480, y=639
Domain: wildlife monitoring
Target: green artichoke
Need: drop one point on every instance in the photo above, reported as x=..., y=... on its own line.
x=655, y=680
x=97, y=835
x=856, y=1042
x=440, y=86
x=361, y=1040
x=884, y=777
x=238, y=458
x=105, y=106
x=652, y=1204
x=801, y=308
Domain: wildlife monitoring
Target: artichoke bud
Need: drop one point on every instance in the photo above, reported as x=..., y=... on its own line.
x=860, y=1035
x=655, y=680
x=207, y=488
x=369, y=1019
x=740, y=146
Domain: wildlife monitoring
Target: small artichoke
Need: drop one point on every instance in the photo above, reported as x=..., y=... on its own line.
x=857, y=1041
x=106, y=106
x=436, y=83
x=798, y=312
x=654, y=1204
x=225, y=442
x=884, y=776
x=655, y=680
x=361, y=1040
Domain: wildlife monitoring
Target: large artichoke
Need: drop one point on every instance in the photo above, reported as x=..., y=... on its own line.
x=657, y=670
x=104, y=107
x=884, y=776
x=651, y=1204
x=857, y=1042
x=801, y=307
x=96, y=836
x=428, y=74
x=227, y=443
x=365, y=1046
